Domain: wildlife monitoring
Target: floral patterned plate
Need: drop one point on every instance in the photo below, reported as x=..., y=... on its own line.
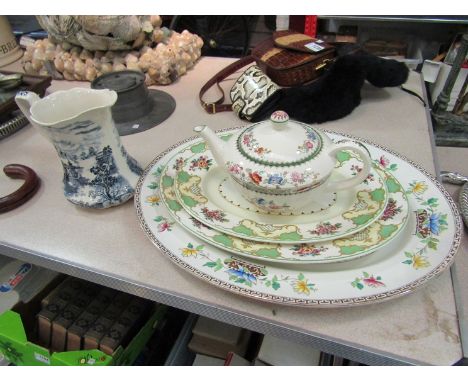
x=426, y=247
x=378, y=234
x=197, y=188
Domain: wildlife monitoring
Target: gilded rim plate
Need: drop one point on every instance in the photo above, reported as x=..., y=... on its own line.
x=197, y=190
x=426, y=247
x=378, y=234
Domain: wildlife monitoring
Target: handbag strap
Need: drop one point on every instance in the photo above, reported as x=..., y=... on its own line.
x=218, y=105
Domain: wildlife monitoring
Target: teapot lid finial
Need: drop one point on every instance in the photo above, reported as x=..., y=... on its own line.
x=279, y=116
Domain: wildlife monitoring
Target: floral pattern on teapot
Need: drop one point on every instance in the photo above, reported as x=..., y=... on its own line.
x=271, y=180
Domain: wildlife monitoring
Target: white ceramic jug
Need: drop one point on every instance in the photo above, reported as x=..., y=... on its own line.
x=98, y=172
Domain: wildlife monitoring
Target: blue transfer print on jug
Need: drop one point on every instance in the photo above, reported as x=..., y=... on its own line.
x=108, y=185
x=91, y=175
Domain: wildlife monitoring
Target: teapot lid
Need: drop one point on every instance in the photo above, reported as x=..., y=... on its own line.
x=280, y=141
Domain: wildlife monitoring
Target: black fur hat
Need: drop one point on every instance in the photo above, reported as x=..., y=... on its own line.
x=337, y=92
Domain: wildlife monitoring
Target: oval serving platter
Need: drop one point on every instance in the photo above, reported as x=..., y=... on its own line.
x=381, y=232
x=425, y=247
x=197, y=186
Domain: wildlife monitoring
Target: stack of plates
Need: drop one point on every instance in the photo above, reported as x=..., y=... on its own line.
x=379, y=240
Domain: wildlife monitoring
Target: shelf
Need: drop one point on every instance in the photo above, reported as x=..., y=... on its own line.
x=411, y=19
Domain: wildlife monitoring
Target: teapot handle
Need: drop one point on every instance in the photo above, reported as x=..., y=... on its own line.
x=361, y=175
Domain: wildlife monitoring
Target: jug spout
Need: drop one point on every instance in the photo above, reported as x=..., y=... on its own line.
x=25, y=100
x=217, y=146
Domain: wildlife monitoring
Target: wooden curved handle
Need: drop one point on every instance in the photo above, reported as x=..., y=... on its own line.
x=25, y=192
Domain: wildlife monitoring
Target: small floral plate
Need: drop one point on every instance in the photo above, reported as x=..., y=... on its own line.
x=425, y=247
x=197, y=188
x=378, y=234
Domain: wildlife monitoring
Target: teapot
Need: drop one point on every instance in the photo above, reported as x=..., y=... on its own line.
x=283, y=166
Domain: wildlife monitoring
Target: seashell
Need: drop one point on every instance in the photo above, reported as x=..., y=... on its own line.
x=130, y=58
x=39, y=54
x=165, y=68
x=85, y=54
x=146, y=26
x=158, y=35
x=148, y=80
x=156, y=21
x=139, y=40
x=50, y=55
x=118, y=60
x=181, y=69
x=181, y=44
x=186, y=58
x=36, y=64
x=164, y=80
x=133, y=66
x=68, y=66
x=167, y=32
x=28, y=68
x=59, y=65
x=79, y=68
x=90, y=73
x=106, y=68
x=97, y=64
x=145, y=61
x=153, y=72
x=39, y=44
x=118, y=67
x=27, y=56
x=68, y=76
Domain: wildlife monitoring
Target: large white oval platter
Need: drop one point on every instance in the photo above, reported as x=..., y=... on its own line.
x=425, y=247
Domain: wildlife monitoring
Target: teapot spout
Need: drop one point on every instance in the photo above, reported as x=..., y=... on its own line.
x=217, y=146
x=25, y=100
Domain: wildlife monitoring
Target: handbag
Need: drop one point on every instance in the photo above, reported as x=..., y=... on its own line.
x=292, y=59
x=286, y=59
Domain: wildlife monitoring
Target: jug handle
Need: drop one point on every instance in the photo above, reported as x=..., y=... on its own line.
x=25, y=99
x=363, y=153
